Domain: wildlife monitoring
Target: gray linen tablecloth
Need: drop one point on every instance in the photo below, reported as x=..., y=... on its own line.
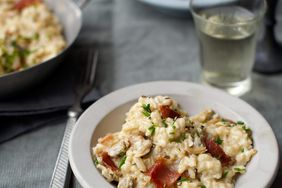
x=137, y=44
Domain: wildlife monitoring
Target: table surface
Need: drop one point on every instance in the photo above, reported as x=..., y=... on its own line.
x=137, y=44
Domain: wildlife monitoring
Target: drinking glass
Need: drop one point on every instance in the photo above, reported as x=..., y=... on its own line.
x=227, y=35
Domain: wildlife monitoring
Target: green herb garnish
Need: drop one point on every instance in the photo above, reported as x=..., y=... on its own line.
x=173, y=123
x=242, y=150
x=164, y=123
x=152, y=129
x=218, y=140
x=224, y=120
x=182, y=179
x=24, y=52
x=122, y=161
x=36, y=36
x=240, y=170
x=179, y=139
x=240, y=123
x=203, y=186
x=224, y=174
x=146, y=110
x=247, y=129
x=95, y=160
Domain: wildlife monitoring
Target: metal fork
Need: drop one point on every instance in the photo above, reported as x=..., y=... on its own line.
x=62, y=171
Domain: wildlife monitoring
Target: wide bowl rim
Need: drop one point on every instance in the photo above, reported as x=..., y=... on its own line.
x=81, y=137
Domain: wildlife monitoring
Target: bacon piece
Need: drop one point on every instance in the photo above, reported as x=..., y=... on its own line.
x=216, y=151
x=21, y=4
x=107, y=160
x=166, y=112
x=161, y=175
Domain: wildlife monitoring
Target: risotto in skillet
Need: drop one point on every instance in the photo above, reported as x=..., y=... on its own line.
x=161, y=146
x=29, y=34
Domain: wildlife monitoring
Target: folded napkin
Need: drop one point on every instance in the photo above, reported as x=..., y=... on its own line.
x=46, y=101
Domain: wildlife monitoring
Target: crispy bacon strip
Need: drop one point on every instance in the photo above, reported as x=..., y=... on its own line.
x=166, y=112
x=161, y=175
x=107, y=160
x=21, y=4
x=216, y=151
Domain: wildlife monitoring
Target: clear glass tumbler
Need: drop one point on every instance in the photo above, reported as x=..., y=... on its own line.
x=227, y=36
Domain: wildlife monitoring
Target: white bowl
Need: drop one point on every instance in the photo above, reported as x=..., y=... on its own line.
x=181, y=5
x=107, y=115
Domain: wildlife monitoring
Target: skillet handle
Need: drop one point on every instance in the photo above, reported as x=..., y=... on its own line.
x=81, y=3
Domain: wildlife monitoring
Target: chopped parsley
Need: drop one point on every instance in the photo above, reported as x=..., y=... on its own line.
x=224, y=174
x=9, y=60
x=146, y=110
x=164, y=123
x=247, y=129
x=179, y=139
x=203, y=186
x=36, y=36
x=122, y=161
x=240, y=170
x=95, y=160
x=218, y=140
x=152, y=129
x=24, y=52
x=182, y=179
x=240, y=123
x=223, y=120
x=242, y=150
x=173, y=123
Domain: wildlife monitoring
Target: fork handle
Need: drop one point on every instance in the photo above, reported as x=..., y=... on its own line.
x=62, y=171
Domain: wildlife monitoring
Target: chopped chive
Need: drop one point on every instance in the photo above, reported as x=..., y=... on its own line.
x=247, y=129
x=179, y=139
x=182, y=137
x=24, y=52
x=240, y=170
x=95, y=160
x=122, y=161
x=218, y=140
x=203, y=186
x=182, y=179
x=164, y=123
x=146, y=110
x=147, y=114
x=173, y=123
x=224, y=174
x=152, y=129
x=36, y=36
x=240, y=123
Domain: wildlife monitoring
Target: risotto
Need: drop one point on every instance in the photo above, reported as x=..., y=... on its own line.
x=29, y=34
x=160, y=145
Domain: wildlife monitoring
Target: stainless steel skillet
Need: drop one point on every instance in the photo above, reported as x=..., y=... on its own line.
x=70, y=16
